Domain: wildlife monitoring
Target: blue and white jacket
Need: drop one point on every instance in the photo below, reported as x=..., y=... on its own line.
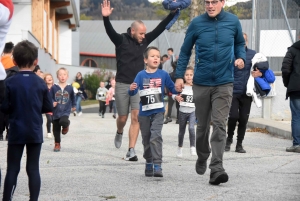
x=65, y=99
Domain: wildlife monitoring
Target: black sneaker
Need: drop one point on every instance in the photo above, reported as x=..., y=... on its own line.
x=239, y=148
x=228, y=143
x=149, y=170
x=168, y=119
x=157, y=171
x=130, y=156
x=201, y=166
x=218, y=177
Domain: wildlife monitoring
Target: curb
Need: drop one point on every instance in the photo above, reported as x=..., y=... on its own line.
x=275, y=128
x=90, y=106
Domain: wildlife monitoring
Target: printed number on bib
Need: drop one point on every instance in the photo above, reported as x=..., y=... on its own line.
x=151, y=99
x=188, y=98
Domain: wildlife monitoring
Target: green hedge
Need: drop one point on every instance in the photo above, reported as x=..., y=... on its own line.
x=92, y=81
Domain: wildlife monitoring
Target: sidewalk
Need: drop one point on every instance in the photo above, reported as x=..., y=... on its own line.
x=276, y=128
x=89, y=167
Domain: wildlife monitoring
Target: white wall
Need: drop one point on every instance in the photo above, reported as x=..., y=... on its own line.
x=75, y=48
x=65, y=43
x=21, y=20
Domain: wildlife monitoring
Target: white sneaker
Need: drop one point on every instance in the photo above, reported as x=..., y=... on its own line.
x=179, y=152
x=49, y=135
x=193, y=151
x=80, y=113
x=74, y=113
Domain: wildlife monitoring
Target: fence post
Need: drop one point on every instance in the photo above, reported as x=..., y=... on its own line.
x=266, y=108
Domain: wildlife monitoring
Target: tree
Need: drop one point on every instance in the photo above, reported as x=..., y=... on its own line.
x=84, y=17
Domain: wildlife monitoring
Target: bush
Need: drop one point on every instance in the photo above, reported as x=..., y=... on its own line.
x=93, y=80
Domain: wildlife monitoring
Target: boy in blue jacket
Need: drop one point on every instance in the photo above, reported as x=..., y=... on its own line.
x=63, y=98
x=26, y=98
x=150, y=83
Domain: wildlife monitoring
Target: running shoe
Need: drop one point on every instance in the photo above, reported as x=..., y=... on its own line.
x=193, y=151
x=149, y=170
x=130, y=156
x=179, y=152
x=118, y=140
x=157, y=171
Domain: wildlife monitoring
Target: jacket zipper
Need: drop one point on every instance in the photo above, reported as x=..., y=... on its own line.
x=216, y=47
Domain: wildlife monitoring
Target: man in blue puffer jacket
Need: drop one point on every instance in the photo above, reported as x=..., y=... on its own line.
x=218, y=39
x=241, y=103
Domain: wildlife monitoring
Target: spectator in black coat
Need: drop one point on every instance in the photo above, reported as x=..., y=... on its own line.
x=290, y=76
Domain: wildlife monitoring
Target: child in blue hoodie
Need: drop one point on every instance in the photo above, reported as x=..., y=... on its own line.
x=26, y=98
x=63, y=98
x=150, y=83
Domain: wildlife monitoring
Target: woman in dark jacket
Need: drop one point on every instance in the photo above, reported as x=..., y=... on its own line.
x=79, y=95
x=290, y=77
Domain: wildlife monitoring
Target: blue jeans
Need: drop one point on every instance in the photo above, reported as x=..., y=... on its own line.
x=295, y=110
x=78, y=103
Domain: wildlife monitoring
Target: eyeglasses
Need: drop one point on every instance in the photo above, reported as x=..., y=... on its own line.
x=213, y=3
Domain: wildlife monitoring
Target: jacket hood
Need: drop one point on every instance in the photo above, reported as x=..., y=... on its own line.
x=296, y=45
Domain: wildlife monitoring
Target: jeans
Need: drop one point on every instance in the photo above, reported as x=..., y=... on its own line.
x=151, y=127
x=183, y=118
x=295, y=110
x=112, y=107
x=212, y=105
x=49, y=122
x=78, y=103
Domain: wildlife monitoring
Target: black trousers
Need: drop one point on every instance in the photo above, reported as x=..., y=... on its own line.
x=239, y=112
x=49, y=121
x=170, y=106
x=102, y=107
x=14, y=156
x=4, y=124
x=57, y=124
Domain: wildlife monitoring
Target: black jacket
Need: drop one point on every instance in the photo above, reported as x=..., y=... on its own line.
x=9, y=72
x=129, y=53
x=241, y=76
x=291, y=70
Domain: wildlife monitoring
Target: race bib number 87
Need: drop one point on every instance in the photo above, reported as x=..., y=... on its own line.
x=151, y=99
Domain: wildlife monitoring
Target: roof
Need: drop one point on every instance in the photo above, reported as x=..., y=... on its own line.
x=93, y=37
x=71, y=8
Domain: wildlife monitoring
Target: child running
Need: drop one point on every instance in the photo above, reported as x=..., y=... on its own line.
x=27, y=97
x=49, y=82
x=186, y=112
x=101, y=96
x=111, y=97
x=63, y=98
x=151, y=83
